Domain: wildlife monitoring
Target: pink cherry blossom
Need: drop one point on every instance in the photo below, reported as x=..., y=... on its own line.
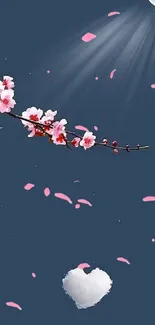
x=6, y=101
x=8, y=82
x=33, y=114
x=32, y=129
x=48, y=124
x=88, y=140
x=60, y=140
x=58, y=128
x=33, y=132
x=75, y=142
x=47, y=120
x=50, y=114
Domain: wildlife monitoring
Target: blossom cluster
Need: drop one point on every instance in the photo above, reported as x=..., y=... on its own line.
x=6, y=95
x=55, y=130
x=40, y=123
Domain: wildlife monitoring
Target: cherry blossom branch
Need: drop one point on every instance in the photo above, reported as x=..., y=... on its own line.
x=113, y=146
x=37, y=124
x=44, y=124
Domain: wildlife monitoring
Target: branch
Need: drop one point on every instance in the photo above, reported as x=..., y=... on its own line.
x=43, y=124
x=113, y=146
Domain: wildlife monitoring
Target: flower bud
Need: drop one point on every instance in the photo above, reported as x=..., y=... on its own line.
x=114, y=143
x=127, y=147
x=105, y=141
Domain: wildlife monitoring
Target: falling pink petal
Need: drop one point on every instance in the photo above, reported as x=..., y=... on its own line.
x=85, y=202
x=33, y=275
x=88, y=37
x=80, y=127
x=63, y=197
x=47, y=191
x=83, y=265
x=96, y=78
x=149, y=199
x=13, y=304
x=113, y=13
x=48, y=71
x=77, y=181
x=28, y=186
x=153, y=240
x=112, y=73
x=77, y=206
x=95, y=128
x=122, y=259
x=153, y=86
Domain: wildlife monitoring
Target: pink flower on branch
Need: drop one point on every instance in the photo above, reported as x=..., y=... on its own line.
x=8, y=82
x=59, y=128
x=41, y=123
x=6, y=101
x=60, y=139
x=75, y=142
x=88, y=140
x=47, y=121
x=31, y=114
x=34, y=131
x=50, y=115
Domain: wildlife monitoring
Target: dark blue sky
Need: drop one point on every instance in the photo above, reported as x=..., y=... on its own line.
x=46, y=235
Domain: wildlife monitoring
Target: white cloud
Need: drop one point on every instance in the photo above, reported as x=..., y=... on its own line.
x=86, y=289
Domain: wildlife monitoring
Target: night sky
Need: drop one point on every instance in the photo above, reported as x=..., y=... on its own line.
x=47, y=235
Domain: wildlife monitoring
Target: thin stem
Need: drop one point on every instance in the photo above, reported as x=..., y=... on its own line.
x=41, y=126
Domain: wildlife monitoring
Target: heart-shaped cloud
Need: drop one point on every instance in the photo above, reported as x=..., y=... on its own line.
x=86, y=289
